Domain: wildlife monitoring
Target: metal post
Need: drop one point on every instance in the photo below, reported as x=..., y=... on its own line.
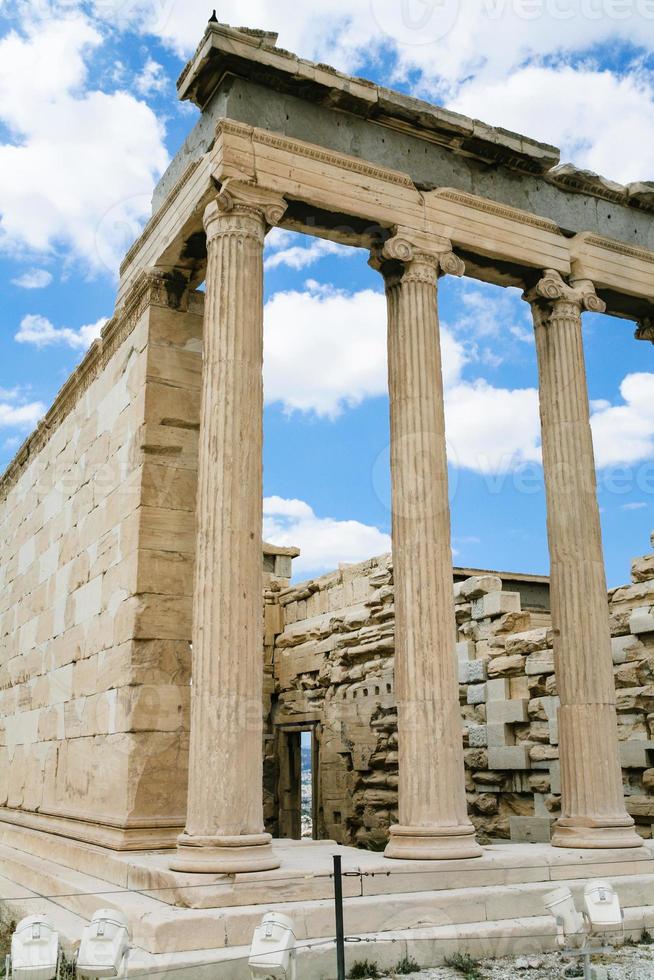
x=338, y=905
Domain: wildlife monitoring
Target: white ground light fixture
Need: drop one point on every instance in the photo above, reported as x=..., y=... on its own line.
x=34, y=950
x=601, y=914
x=104, y=947
x=272, y=956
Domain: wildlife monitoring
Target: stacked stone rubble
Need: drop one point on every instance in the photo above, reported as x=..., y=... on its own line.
x=333, y=667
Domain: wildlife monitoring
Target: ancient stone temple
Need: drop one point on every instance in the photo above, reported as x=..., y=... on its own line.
x=490, y=732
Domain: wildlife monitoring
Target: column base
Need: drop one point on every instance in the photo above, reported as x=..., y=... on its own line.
x=585, y=832
x=432, y=843
x=224, y=855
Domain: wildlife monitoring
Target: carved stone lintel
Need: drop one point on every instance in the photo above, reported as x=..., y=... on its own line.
x=246, y=200
x=554, y=292
x=645, y=329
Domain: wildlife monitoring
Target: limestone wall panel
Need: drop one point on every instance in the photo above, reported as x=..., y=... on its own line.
x=95, y=579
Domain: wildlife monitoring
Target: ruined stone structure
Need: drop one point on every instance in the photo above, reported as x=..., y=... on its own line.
x=132, y=760
x=333, y=669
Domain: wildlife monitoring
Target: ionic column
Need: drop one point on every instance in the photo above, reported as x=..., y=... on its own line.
x=593, y=809
x=433, y=817
x=224, y=828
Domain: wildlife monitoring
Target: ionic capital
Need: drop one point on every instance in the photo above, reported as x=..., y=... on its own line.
x=645, y=329
x=238, y=199
x=554, y=295
x=407, y=256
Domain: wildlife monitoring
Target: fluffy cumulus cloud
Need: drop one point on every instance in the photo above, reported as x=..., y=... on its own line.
x=40, y=332
x=78, y=165
x=152, y=78
x=325, y=350
x=298, y=252
x=33, y=279
x=323, y=541
x=17, y=412
x=446, y=40
x=624, y=434
x=592, y=115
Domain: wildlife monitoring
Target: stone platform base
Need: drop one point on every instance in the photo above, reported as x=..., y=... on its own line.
x=201, y=926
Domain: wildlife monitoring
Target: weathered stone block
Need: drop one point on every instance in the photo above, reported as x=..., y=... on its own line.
x=642, y=569
x=509, y=757
x=476, y=694
x=477, y=736
x=636, y=755
x=506, y=712
x=498, y=735
x=465, y=650
x=471, y=672
x=504, y=666
x=540, y=663
x=479, y=586
x=641, y=620
x=531, y=830
x=496, y=604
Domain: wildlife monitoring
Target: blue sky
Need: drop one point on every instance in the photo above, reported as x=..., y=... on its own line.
x=88, y=121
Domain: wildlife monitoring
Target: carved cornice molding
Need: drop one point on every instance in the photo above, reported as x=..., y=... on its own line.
x=152, y=288
x=499, y=210
x=340, y=160
x=553, y=295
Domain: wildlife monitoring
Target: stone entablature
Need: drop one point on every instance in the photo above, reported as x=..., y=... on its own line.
x=333, y=670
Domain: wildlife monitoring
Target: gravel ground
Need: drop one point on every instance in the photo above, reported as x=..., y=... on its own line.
x=631, y=963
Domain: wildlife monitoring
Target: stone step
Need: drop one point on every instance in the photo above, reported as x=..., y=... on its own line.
x=160, y=928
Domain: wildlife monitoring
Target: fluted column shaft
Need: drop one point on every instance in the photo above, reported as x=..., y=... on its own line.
x=433, y=818
x=593, y=809
x=225, y=827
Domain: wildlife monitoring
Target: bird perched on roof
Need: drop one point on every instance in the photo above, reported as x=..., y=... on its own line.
x=213, y=19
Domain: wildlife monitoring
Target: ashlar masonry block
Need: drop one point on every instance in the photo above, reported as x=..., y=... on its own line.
x=496, y=604
x=642, y=620
x=636, y=755
x=476, y=694
x=472, y=671
x=509, y=757
x=507, y=712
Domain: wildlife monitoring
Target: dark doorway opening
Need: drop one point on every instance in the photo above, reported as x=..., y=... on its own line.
x=299, y=783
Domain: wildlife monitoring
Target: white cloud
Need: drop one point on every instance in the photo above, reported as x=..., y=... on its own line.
x=301, y=256
x=325, y=350
x=152, y=78
x=40, y=332
x=592, y=115
x=33, y=279
x=492, y=430
x=323, y=541
x=446, y=41
x=624, y=434
x=80, y=165
x=636, y=505
x=21, y=416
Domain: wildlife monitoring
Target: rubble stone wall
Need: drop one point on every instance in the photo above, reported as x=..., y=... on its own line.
x=333, y=669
